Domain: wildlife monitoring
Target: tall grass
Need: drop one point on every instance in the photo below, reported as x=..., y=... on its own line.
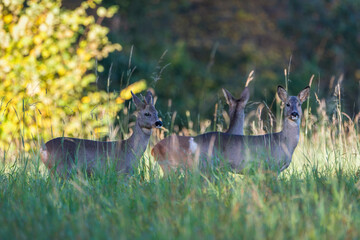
x=316, y=198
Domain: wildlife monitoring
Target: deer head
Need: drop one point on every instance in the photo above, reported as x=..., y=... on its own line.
x=147, y=117
x=236, y=105
x=292, y=110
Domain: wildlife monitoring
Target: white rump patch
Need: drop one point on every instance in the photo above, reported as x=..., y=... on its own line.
x=43, y=155
x=192, y=145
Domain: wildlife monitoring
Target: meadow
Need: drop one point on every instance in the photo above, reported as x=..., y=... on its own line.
x=53, y=85
x=317, y=197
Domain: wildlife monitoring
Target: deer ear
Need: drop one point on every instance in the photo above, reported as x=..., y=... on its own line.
x=304, y=94
x=282, y=93
x=230, y=100
x=138, y=103
x=245, y=95
x=149, y=98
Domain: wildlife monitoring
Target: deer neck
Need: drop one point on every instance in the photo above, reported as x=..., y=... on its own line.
x=290, y=134
x=139, y=139
x=236, y=123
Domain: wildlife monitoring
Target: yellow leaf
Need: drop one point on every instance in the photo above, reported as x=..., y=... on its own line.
x=85, y=99
x=136, y=87
x=8, y=19
x=119, y=100
x=37, y=39
x=101, y=12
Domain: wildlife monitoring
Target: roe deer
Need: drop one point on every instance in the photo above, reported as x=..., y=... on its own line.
x=63, y=154
x=176, y=150
x=236, y=111
x=273, y=151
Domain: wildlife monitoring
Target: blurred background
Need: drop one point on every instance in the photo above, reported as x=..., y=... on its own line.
x=213, y=44
x=187, y=50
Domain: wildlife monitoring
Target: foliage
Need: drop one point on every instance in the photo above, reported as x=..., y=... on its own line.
x=46, y=54
x=327, y=43
x=209, y=44
x=320, y=36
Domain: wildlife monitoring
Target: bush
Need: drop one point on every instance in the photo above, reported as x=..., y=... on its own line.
x=46, y=54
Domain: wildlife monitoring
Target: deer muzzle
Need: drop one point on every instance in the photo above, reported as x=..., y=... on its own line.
x=158, y=124
x=294, y=116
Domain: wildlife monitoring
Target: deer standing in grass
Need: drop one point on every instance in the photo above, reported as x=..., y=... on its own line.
x=174, y=151
x=236, y=111
x=64, y=154
x=272, y=151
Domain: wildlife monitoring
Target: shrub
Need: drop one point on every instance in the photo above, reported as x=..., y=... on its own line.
x=46, y=54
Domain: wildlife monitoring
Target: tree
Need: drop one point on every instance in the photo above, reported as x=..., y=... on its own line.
x=47, y=87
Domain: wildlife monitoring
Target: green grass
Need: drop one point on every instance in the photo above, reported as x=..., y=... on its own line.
x=317, y=197
x=315, y=201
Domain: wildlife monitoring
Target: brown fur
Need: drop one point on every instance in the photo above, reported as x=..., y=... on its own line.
x=174, y=151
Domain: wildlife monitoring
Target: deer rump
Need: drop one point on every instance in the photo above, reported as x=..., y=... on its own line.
x=173, y=152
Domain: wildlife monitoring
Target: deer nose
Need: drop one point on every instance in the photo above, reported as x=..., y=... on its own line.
x=295, y=114
x=158, y=124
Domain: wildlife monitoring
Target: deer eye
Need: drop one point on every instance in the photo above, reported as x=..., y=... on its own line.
x=147, y=114
x=288, y=104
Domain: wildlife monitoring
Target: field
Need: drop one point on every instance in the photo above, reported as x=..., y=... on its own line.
x=61, y=75
x=317, y=197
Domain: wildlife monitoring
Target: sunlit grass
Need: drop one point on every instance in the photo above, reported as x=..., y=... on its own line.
x=306, y=203
x=317, y=197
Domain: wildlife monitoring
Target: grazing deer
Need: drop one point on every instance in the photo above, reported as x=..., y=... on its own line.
x=272, y=151
x=63, y=154
x=176, y=150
